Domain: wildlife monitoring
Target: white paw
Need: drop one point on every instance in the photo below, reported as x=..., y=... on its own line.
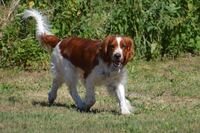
x=125, y=111
x=126, y=108
x=128, y=104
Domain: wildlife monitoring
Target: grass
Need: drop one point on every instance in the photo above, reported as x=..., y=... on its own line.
x=166, y=97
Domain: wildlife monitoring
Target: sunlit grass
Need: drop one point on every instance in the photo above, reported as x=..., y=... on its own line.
x=166, y=97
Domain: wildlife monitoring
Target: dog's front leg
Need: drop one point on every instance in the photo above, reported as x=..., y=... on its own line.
x=125, y=105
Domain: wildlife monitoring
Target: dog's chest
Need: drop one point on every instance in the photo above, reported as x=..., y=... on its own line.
x=104, y=76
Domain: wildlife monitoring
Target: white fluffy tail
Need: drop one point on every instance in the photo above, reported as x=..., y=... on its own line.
x=42, y=25
x=43, y=34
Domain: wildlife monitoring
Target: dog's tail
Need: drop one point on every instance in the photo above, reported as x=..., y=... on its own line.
x=43, y=34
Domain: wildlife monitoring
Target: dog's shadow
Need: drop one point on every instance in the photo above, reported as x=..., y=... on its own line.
x=46, y=104
x=62, y=105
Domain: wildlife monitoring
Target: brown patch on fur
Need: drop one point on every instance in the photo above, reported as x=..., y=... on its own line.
x=82, y=53
x=128, y=49
x=50, y=40
x=107, y=48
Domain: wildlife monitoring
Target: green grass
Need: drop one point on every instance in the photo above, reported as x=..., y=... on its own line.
x=166, y=97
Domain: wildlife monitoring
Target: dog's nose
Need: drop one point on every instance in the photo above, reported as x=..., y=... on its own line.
x=117, y=56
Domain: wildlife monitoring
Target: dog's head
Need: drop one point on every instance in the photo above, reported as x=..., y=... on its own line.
x=117, y=51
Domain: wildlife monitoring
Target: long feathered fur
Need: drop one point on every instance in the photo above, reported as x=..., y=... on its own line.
x=43, y=34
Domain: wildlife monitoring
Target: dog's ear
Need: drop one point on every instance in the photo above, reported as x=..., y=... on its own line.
x=129, y=52
x=104, y=48
x=104, y=45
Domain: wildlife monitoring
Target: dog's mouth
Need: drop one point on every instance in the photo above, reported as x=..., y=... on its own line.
x=117, y=64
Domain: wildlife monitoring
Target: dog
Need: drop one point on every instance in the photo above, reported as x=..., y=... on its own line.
x=94, y=62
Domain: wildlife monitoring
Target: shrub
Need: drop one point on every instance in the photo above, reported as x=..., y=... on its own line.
x=159, y=28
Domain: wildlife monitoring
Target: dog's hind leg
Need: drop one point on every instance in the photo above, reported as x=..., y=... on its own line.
x=90, y=95
x=74, y=94
x=57, y=82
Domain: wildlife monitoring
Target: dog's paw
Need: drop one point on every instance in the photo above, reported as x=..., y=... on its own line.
x=125, y=111
x=51, y=99
x=129, y=106
x=83, y=108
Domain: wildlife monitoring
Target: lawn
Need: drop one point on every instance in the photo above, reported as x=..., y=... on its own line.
x=166, y=97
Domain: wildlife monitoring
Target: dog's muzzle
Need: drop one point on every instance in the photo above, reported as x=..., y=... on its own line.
x=117, y=60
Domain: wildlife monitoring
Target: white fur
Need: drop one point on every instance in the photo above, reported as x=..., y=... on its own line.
x=118, y=49
x=42, y=25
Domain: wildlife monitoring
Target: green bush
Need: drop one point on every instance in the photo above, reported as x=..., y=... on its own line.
x=160, y=28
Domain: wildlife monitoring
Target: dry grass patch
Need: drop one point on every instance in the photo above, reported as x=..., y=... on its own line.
x=165, y=96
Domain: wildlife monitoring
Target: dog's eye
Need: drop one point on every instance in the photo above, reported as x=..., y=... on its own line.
x=112, y=46
x=124, y=45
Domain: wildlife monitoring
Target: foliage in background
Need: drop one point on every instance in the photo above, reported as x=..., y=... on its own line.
x=160, y=28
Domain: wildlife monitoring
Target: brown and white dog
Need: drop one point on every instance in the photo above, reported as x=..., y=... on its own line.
x=94, y=62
